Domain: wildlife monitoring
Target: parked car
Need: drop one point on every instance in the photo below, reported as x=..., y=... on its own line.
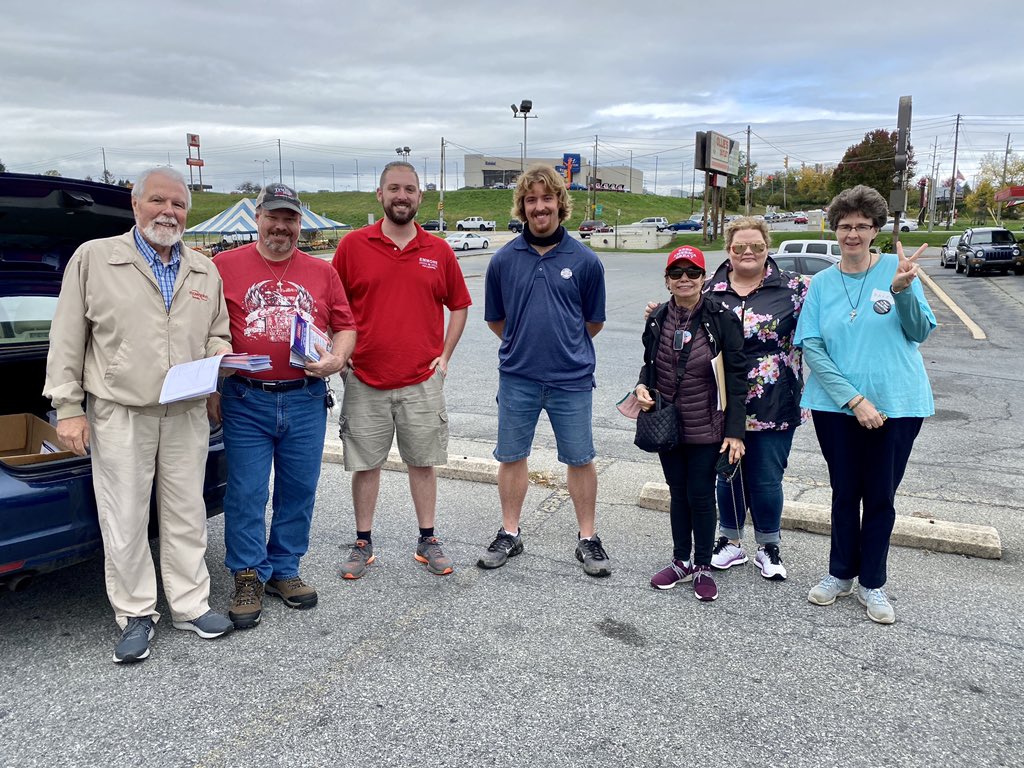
x=947, y=256
x=988, y=249
x=805, y=264
x=800, y=218
x=464, y=241
x=47, y=506
x=660, y=222
x=906, y=225
x=435, y=225
x=814, y=247
x=589, y=225
x=515, y=225
x=687, y=225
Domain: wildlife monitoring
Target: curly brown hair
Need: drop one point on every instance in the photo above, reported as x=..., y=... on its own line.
x=860, y=199
x=553, y=183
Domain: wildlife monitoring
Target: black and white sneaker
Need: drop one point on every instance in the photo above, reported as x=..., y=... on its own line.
x=595, y=560
x=134, y=643
x=501, y=549
x=769, y=561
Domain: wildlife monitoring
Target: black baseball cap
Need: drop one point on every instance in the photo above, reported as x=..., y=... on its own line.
x=275, y=196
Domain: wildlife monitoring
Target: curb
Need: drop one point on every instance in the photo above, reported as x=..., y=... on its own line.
x=917, y=532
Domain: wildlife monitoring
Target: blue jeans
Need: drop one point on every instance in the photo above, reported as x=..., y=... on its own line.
x=757, y=486
x=520, y=401
x=286, y=430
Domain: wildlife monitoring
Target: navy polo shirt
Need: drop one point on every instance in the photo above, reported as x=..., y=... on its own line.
x=546, y=302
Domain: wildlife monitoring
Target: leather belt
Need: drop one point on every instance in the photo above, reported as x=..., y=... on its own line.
x=276, y=386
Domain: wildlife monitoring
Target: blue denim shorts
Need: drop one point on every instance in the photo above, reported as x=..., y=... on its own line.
x=520, y=401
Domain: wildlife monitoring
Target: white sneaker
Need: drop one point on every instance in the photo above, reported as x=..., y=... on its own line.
x=769, y=561
x=726, y=554
x=880, y=610
x=826, y=592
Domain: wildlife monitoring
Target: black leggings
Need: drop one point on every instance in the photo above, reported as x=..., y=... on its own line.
x=690, y=474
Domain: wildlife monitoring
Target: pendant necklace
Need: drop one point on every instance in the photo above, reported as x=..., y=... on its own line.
x=281, y=278
x=860, y=293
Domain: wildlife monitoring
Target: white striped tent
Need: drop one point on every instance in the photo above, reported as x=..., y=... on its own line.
x=240, y=219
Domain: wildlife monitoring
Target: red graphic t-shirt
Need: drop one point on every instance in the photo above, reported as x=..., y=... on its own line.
x=263, y=296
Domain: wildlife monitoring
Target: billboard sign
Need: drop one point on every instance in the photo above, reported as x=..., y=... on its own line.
x=193, y=139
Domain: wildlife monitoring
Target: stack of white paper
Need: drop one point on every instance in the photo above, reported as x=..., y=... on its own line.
x=246, y=362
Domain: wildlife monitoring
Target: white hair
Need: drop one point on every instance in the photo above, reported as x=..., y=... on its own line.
x=163, y=170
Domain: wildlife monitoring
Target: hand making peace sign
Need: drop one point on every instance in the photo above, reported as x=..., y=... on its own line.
x=906, y=272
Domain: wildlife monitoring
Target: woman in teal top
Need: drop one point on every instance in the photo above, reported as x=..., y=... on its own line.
x=868, y=392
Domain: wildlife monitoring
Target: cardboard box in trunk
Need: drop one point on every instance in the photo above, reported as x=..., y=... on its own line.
x=27, y=439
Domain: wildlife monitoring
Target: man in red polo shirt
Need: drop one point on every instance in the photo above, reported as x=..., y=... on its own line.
x=398, y=280
x=278, y=417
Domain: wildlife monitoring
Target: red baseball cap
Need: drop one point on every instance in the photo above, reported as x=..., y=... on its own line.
x=686, y=253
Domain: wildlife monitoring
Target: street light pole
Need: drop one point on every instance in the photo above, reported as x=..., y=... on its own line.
x=264, y=168
x=523, y=111
x=334, y=187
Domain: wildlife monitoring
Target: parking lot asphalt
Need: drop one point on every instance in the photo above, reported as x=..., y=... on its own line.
x=536, y=664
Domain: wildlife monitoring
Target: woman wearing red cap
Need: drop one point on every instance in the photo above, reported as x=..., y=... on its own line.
x=681, y=339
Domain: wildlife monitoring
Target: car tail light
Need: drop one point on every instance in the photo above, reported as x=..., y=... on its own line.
x=16, y=566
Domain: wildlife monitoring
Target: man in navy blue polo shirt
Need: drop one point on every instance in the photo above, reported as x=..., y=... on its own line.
x=545, y=300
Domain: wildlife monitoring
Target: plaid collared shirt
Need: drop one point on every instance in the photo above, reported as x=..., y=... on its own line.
x=166, y=274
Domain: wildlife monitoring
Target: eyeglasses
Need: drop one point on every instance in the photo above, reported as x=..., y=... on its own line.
x=860, y=229
x=694, y=273
x=740, y=248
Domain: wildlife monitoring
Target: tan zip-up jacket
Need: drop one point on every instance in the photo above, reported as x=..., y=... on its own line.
x=112, y=335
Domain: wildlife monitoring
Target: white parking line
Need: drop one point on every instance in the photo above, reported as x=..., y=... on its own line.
x=973, y=327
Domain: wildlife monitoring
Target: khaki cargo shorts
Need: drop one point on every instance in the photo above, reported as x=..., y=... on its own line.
x=371, y=418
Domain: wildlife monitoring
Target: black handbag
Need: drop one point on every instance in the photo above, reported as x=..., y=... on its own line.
x=657, y=429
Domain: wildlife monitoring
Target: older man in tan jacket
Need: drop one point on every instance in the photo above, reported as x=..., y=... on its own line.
x=131, y=307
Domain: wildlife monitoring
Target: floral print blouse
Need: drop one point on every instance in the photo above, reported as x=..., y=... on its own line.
x=769, y=314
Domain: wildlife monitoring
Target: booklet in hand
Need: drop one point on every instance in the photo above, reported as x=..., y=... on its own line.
x=305, y=338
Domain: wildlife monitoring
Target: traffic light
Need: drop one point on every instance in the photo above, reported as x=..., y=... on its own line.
x=785, y=162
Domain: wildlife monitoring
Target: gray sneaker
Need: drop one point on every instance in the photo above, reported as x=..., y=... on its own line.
x=595, y=560
x=134, y=643
x=501, y=549
x=208, y=626
x=880, y=610
x=829, y=589
x=360, y=556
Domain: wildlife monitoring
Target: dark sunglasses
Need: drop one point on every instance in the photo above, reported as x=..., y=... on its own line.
x=694, y=273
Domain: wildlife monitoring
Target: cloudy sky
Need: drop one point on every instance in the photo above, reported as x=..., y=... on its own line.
x=341, y=84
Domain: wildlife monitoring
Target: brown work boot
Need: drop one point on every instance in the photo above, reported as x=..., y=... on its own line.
x=294, y=591
x=247, y=604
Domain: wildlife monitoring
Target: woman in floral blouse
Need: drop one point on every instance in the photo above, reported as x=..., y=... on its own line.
x=768, y=301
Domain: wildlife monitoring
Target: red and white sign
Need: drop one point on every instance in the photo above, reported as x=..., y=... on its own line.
x=719, y=147
x=193, y=139
x=194, y=161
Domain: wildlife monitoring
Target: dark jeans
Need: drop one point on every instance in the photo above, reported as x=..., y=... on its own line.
x=690, y=474
x=757, y=486
x=865, y=466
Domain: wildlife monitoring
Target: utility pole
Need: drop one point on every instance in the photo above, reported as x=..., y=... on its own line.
x=357, y=175
x=630, y=182
x=280, y=164
x=1006, y=156
x=334, y=186
x=931, y=188
x=747, y=190
x=952, y=179
x=655, y=174
x=440, y=204
x=593, y=183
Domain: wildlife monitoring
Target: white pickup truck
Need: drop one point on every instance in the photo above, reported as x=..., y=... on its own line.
x=475, y=222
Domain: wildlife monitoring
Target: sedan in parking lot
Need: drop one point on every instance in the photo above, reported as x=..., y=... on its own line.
x=48, y=516
x=906, y=225
x=686, y=225
x=464, y=241
x=947, y=256
x=800, y=218
x=805, y=264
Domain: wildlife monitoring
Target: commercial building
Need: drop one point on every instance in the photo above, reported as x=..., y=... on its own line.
x=488, y=171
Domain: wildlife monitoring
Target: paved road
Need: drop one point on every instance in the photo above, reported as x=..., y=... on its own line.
x=537, y=665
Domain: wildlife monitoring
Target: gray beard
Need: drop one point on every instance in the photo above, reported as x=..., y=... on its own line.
x=159, y=235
